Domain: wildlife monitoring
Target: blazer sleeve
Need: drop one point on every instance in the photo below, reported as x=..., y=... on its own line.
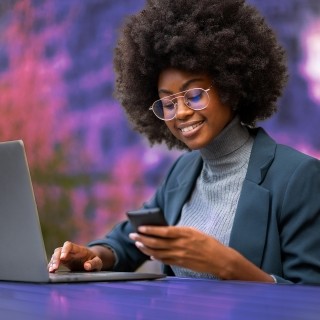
x=128, y=257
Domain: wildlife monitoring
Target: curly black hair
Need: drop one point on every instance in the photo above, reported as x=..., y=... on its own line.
x=227, y=39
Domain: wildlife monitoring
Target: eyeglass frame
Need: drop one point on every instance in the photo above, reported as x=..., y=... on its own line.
x=175, y=103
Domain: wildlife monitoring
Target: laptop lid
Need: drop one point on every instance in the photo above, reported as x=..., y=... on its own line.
x=22, y=250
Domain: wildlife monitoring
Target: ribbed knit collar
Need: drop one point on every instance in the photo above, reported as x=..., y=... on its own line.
x=230, y=149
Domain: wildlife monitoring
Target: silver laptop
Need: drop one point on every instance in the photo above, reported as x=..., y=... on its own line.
x=22, y=250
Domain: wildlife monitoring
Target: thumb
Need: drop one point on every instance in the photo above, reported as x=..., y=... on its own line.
x=94, y=264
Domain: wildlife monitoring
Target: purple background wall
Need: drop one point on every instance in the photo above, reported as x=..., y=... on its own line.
x=56, y=83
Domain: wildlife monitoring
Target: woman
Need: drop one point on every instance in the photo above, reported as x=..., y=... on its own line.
x=198, y=75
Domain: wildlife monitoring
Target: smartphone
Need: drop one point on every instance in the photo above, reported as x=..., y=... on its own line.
x=146, y=217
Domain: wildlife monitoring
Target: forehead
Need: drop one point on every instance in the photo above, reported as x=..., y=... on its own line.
x=172, y=78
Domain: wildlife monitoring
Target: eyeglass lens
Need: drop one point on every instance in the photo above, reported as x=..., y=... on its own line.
x=196, y=99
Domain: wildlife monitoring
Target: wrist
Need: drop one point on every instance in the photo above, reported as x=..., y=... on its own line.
x=229, y=265
x=237, y=267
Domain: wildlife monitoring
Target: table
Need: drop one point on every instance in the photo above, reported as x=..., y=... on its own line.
x=169, y=298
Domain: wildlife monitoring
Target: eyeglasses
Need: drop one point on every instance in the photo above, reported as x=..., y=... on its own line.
x=195, y=99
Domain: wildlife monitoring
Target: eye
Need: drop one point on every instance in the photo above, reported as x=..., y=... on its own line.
x=194, y=96
x=167, y=105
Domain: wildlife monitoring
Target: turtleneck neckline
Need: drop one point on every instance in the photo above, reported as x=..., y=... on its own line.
x=230, y=139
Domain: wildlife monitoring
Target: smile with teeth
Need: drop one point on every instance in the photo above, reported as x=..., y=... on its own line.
x=190, y=128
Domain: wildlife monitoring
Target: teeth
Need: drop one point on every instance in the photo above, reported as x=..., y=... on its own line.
x=191, y=127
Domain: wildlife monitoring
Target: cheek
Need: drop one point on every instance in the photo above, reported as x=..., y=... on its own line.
x=171, y=127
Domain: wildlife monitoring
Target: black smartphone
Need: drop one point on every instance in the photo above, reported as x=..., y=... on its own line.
x=147, y=217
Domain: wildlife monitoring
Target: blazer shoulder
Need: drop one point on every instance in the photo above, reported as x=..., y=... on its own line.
x=288, y=151
x=268, y=156
x=266, y=145
x=186, y=160
x=185, y=167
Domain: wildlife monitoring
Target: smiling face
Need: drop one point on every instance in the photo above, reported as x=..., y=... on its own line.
x=194, y=128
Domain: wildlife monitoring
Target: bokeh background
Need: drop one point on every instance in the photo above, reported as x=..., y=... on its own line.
x=56, y=94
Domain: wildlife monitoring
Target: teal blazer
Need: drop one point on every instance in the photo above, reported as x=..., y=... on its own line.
x=277, y=221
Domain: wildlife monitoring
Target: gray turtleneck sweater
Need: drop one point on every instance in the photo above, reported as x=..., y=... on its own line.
x=213, y=203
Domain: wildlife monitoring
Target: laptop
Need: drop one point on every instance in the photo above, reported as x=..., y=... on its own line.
x=22, y=250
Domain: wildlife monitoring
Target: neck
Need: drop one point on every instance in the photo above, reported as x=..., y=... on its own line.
x=230, y=139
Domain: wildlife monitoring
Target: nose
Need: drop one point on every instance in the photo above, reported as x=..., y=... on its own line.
x=182, y=111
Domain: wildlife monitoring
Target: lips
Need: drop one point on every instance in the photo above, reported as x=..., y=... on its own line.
x=190, y=127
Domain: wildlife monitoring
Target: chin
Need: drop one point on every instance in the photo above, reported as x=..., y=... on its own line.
x=195, y=146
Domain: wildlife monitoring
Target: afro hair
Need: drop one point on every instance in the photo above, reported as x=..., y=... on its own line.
x=227, y=39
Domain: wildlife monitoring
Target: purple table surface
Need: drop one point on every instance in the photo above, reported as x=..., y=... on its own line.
x=169, y=298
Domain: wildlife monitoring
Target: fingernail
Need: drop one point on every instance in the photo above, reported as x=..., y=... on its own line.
x=132, y=236
x=63, y=255
x=142, y=229
x=51, y=267
x=87, y=266
x=139, y=244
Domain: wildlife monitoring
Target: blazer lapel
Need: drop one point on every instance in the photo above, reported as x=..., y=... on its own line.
x=179, y=192
x=251, y=220
x=249, y=230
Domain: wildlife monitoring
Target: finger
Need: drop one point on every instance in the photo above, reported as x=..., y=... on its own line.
x=73, y=252
x=134, y=236
x=94, y=264
x=160, y=232
x=150, y=242
x=55, y=260
x=67, y=248
x=62, y=255
x=154, y=254
x=143, y=248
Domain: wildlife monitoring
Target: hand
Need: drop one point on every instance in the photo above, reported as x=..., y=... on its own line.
x=182, y=246
x=189, y=248
x=75, y=258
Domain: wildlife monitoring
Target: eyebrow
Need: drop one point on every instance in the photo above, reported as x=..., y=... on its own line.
x=182, y=88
